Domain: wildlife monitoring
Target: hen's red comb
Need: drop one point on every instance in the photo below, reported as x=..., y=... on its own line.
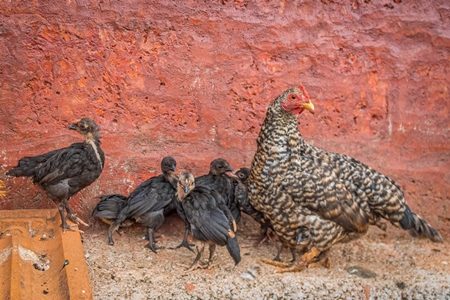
x=302, y=88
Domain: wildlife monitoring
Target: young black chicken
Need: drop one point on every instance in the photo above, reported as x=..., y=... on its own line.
x=64, y=172
x=308, y=200
x=147, y=203
x=243, y=203
x=218, y=179
x=109, y=208
x=209, y=218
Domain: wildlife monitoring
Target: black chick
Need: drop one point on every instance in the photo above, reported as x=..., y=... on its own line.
x=146, y=204
x=210, y=220
x=109, y=208
x=218, y=180
x=64, y=172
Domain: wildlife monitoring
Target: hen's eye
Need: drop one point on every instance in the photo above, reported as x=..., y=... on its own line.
x=293, y=97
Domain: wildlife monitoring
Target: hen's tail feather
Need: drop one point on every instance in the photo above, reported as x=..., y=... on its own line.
x=233, y=249
x=418, y=227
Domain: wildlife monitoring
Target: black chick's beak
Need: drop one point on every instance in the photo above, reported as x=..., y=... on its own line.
x=73, y=126
x=186, y=189
x=233, y=174
x=173, y=168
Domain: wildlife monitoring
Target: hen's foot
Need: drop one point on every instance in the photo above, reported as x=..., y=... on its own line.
x=276, y=263
x=304, y=262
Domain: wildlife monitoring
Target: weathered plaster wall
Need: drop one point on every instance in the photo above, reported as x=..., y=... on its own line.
x=192, y=79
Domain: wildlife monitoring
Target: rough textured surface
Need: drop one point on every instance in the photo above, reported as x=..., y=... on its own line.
x=404, y=268
x=192, y=79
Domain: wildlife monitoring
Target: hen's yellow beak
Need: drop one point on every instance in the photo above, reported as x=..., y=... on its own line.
x=308, y=106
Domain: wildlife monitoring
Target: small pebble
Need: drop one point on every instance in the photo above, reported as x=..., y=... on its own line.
x=361, y=272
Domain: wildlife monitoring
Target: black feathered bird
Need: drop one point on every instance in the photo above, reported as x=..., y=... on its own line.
x=109, y=208
x=243, y=203
x=218, y=179
x=64, y=172
x=148, y=202
x=209, y=218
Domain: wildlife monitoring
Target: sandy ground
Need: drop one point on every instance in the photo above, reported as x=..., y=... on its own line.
x=404, y=267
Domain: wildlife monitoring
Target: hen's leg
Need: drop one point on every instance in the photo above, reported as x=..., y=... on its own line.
x=323, y=260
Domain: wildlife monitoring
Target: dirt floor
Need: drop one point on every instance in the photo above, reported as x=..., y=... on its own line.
x=404, y=268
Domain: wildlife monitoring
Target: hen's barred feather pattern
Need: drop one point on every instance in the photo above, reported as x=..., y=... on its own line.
x=333, y=196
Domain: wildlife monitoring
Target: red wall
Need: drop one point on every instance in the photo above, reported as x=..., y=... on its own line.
x=192, y=79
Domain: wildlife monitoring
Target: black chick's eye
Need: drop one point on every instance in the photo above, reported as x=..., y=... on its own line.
x=220, y=167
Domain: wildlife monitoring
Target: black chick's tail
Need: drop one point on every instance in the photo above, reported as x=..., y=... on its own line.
x=233, y=249
x=21, y=171
x=109, y=206
x=418, y=227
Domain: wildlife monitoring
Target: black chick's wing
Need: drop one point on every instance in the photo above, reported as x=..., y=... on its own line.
x=208, y=221
x=66, y=163
x=152, y=195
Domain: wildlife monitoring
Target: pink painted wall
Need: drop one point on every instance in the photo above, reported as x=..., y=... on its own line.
x=192, y=79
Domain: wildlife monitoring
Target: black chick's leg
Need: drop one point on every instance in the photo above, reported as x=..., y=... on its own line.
x=151, y=241
x=185, y=243
x=62, y=213
x=113, y=227
x=197, y=258
x=212, y=249
x=279, y=249
x=264, y=234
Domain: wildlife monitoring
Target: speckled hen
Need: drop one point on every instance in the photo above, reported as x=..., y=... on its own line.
x=64, y=172
x=313, y=198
